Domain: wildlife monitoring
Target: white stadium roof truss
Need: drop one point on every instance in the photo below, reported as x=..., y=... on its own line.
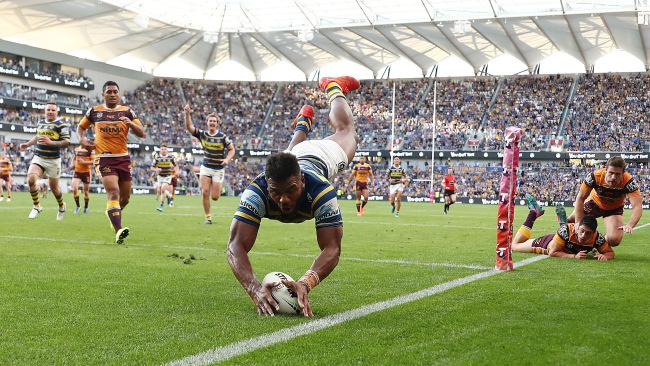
x=308, y=35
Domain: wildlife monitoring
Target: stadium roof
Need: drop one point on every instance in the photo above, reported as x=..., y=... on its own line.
x=211, y=39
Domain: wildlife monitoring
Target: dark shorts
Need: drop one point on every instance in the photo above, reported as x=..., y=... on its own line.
x=119, y=166
x=84, y=177
x=4, y=177
x=361, y=186
x=543, y=241
x=449, y=192
x=592, y=209
x=174, y=182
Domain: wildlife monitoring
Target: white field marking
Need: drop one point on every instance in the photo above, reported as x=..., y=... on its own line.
x=639, y=227
x=249, y=345
x=389, y=261
x=164, y=246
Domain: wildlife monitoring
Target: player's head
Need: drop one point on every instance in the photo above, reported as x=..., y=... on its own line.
x=614, y=170
x=213, y=121
x=51, y=111
x=3, y=154
x=362, y=159
x=587, y=228
x=397, y=161
x=285, y=181
x=450, y=171
x=111, y=93
x=163, y=149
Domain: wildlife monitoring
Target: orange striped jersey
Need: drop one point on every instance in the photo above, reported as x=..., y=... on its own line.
x=110, y=133
x=5, y=166
x=362, y=172
x=605, y=196
x=82, y=156
x=567, y=239
x=166, y=165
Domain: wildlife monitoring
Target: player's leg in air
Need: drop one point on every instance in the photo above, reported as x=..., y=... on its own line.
x=522, y=241
x=75, y=193
x=398, y=201
x=33, y=175
x=56, y=192
x=117, y=194
x=391, y=200
x=358, y=193
x=364, y=194
x=165, y=194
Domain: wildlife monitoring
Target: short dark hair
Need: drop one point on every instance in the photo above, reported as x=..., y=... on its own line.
x=616, y=161
x=281, y=166
x=590, y=222
x=109, y=83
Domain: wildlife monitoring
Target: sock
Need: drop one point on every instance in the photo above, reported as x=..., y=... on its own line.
x=86, y=200
x=358, y=206
x=526, y=232
x=393, y=204
x=208, y=217
x=363, y=204
x=114, y=214
x=169, y=199
x=76, y=201
x=446, y=207
x=59, y=200
x=530, y=219
x=303, y=124
x=333, y=91
x=35, y=198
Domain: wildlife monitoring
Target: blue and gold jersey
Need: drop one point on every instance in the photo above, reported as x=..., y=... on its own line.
x=395, y=174
x=214, y=147
x=318, y=202
x=56, y=131
x=166, y=164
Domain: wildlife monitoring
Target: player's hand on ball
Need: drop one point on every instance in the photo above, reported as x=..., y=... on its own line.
x=266, y=304
x=581, y=254
x=302, y=292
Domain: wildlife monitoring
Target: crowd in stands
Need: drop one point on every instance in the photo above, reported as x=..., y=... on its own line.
x=28, y=93
x=610, y=112
x=13, y=63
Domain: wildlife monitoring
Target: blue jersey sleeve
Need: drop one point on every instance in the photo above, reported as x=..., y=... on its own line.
x=326, y=210
x=252, y=205
x=197, y=133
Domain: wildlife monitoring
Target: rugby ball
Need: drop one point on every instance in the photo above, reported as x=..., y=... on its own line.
x=286, y=297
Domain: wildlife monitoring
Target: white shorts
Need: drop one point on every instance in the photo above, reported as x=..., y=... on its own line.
x=216, y=175
x=394, y=188
x=328, y=151
x=164, y=180
x=51, y=167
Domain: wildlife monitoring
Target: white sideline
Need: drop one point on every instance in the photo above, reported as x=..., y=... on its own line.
x=249, y=345
x=164, y=246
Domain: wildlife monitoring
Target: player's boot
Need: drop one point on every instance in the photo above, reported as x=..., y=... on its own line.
x=8, y=199
x=208, y=220
x=159, y=208
x=85, y=210
x=304, y=119
x=2, y=199
x=532, y=204
x=76, y=211
x=171, y=203
x=120, y=235
x=60, y=214
x=397, y=214
x=560, y=212
x=347, y=83
x=35, y=212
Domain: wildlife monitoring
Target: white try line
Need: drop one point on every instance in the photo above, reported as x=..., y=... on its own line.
x=275, y=254
x=249, y=345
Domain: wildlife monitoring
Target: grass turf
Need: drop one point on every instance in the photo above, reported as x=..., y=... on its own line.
x=69, y=295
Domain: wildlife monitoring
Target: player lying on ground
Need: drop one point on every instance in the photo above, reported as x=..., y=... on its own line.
x=602, y=194
x=570, y=240
x=296, y=187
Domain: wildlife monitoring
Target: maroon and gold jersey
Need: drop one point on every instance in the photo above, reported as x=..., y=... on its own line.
x=5, y=166
x=82, y=156
x=609, y=197
x=362, y=172
x=110, y=133
x=567, y=239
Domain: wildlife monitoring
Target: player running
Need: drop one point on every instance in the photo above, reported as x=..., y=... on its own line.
x=397, y=181
x=570, y=241
x=112, y=123
x=164, y=165
x=52, y=135
x=295, y=187
x=5, y=175
x=362, y=175
x=602, y=194
x=214, y=143
x=449, y=189
x=83, y=161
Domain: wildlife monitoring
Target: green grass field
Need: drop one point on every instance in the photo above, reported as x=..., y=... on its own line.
x=70, y=296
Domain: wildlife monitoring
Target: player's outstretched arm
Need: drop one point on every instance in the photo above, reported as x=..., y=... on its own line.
x=230, y=154
x=27, y=144
x=637, y=210
x=83, y=140
x=579, y=204
x=188, y=119
x=242, y=239
x=329, y=241
x=605, y=253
